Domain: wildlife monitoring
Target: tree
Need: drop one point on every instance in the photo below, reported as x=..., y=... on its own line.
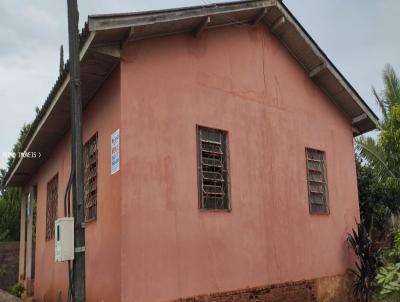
x=382, y=155
x=389, y=141
x=377, y=201
x=390, y=95
x=10, y=198
x=378, y=174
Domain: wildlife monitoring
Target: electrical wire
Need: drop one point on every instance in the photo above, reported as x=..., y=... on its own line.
x=67, y=213
x=236, y=22
x=67, y=200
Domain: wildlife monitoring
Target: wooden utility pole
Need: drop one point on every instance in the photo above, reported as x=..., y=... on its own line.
x=76, y=154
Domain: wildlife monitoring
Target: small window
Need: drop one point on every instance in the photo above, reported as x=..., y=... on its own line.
x=90, y=178
x=317, y=185
x=51, y=206
x=213, y=169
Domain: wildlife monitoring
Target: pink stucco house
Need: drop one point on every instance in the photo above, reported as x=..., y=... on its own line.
x=235, y=178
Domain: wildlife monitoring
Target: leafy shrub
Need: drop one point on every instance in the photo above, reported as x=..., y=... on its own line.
x=366, y=265
x=17, y=290
x=10, y=209
x=388, y=277
x=59, y=296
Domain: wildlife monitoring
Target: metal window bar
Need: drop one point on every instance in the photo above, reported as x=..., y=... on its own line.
x=213, y=172
x=90, y=178
x=51, y=206
x=317, y=187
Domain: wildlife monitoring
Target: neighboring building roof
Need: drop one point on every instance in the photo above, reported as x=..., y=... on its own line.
x=104, y=35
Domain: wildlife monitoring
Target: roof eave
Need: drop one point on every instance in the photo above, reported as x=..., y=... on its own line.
x=115, y=21
x=53, y=121
x=278, y=19
x=108, y=33
x=369, y=121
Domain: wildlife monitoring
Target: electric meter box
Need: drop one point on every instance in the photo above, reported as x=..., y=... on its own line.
x=64, y=239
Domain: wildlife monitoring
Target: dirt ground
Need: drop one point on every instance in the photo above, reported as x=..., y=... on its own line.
x=6, y=297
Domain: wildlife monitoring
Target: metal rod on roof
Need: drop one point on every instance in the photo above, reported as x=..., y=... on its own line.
x=76, y=153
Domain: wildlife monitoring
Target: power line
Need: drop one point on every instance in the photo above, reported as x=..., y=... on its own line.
x=236, y=22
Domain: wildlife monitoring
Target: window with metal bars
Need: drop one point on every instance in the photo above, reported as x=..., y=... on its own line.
x=317, y=184
x=213, y=169
x=90, y=178
x=51, y=206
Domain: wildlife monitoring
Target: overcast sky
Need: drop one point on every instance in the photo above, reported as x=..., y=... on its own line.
x=359, y=37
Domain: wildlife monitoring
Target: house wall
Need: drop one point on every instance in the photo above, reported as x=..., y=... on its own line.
x=239, y=79
x=103, y=235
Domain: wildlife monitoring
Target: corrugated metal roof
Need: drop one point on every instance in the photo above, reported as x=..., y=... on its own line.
x=104, y=35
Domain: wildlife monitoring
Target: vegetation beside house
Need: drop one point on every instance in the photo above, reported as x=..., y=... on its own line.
x=10, y=206
x=10, y=198
x=10, y=210
x=378, y=173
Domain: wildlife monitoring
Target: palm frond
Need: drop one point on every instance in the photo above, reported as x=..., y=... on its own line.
x=380, y=103
x=392, y=87
x=373, y=153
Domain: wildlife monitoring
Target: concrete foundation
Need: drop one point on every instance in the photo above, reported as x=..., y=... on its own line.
x=328, y=289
